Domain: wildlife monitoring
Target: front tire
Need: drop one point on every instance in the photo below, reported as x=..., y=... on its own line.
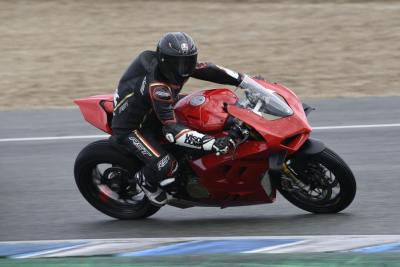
x=100, y=174
x=322, y=183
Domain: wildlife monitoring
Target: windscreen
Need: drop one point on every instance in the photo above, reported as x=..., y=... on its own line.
x=264, y=100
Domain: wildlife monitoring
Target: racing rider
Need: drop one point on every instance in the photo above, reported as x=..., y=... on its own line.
x=143, y=104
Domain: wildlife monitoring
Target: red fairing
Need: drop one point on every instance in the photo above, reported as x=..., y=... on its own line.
x=97, y=111
x=234, y=180
x=204, y=110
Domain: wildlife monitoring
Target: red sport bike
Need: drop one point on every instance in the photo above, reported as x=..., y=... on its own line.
x=274, y=151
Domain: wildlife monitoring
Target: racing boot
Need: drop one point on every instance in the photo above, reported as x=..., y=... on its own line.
x=154, y=193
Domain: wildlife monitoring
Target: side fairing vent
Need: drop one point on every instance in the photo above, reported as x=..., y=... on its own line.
x=292, y=141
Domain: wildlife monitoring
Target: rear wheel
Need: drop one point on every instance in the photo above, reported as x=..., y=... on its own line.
x=322, y=183
x=101, y=174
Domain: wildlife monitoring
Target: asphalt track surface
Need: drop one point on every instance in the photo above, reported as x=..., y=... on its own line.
x=39, y=199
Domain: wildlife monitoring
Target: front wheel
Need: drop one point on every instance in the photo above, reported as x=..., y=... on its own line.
x=322, y=183
x=101, y=174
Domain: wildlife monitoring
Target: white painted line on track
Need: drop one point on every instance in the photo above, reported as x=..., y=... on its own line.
x=72, y=137
x=356, y=126
x=51, y=138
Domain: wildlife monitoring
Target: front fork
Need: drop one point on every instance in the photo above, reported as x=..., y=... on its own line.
x=278, y=163
x=289, y=179
x=280, y=172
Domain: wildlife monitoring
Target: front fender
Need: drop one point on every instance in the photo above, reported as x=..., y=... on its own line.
x=310, y=147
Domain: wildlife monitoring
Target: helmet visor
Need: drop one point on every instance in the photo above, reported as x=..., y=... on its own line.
x=181, y=65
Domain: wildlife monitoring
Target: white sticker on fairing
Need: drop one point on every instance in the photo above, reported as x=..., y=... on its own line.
x=231, y=73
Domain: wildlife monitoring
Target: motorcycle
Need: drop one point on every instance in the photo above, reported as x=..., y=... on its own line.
x=273, y=152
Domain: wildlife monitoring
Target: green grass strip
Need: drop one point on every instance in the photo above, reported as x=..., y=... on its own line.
x=226, y=260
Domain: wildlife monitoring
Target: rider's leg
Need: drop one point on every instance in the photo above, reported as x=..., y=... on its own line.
x=160, y=166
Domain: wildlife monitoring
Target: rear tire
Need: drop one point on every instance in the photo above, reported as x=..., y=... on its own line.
x=339, y=171
x=102, y=153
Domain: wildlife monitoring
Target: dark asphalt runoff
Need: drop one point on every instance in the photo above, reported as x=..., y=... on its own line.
x=40, y=201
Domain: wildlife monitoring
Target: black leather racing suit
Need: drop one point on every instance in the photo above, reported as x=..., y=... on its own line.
x=143, y=109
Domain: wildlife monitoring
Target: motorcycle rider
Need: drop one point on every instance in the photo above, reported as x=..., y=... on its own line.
x=143, y=104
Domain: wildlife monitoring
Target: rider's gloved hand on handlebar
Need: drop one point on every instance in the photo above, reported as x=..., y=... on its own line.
x=222, y=145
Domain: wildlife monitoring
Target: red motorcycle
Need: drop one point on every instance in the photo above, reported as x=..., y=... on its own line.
x=274, y=151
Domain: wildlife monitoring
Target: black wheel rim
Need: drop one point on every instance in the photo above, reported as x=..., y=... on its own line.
x=314, y=184
x=108, y=186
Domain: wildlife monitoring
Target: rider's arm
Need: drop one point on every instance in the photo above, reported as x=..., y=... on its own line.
x=217, y=74
x=162, y=102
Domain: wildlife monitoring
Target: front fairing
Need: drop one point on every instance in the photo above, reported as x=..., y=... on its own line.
x=241, y=176
x=281, y=133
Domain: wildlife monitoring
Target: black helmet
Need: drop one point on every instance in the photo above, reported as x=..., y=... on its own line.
x=177, y=56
